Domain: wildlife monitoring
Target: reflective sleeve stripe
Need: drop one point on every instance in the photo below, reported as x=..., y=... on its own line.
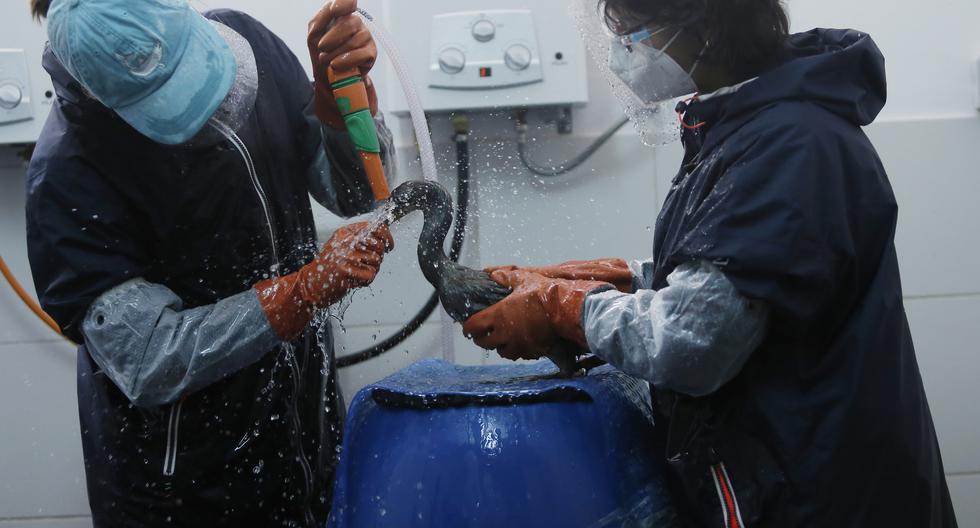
x=730, y=513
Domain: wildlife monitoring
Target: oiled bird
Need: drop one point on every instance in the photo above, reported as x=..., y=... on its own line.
x=463, y=291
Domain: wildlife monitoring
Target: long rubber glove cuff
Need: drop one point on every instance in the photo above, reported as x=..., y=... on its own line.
x=563, y=301
x=539, y=312
x=289, y=302
x=615, y=271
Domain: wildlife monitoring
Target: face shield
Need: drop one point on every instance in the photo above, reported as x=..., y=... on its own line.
x=646, y=81
x=238, y=105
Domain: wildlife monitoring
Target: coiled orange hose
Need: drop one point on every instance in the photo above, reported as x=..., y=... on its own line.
x=31, y=303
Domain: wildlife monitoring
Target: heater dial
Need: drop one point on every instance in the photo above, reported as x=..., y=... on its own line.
x=452, y=60
x=484, y=31
x=10, y=96
x=518, y=57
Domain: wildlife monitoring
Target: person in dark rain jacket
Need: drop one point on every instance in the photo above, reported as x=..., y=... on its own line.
x=170, y=234
x=770, y=321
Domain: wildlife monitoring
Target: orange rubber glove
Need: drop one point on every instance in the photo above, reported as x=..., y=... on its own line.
x=613, y=270
x=540, y=314
x=338, y=37
x=350, y=259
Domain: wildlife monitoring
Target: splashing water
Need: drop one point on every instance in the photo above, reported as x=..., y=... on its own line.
x=327, y=379
x=239, y=145
x=383, y=215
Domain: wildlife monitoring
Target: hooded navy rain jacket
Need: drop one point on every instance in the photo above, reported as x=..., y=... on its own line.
x=106, y=205
x=827, y=424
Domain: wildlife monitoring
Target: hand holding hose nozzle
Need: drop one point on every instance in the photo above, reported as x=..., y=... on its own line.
x=343, y=51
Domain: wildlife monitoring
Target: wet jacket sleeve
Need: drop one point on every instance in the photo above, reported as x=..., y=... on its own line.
x=156, y=352
x=83, y=236
x=783, y=222
x=86, y=239
x=692, y=336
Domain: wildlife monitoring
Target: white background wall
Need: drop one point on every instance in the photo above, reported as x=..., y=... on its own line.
x=928, y=137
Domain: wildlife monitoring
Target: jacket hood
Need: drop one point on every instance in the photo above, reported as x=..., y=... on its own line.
x=65, y=85
x=841, y=70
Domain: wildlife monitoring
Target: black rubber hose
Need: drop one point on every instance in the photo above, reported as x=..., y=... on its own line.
x=570, y=165
x=459, y=235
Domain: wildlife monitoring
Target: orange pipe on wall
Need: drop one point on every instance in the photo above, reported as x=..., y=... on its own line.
x=24, y=296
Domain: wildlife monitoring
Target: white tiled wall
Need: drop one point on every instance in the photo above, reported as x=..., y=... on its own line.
x=965, y=491
x=946, y=334
x=42, y=480
x=934, y=166
x=41, y=451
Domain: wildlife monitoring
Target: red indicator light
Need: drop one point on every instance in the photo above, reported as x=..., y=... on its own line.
x=486, y=72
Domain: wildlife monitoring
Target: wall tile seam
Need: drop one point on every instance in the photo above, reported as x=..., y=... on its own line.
x=4, y=520
x=918, y=118
x=34, y=342
x=941, y=296
x=964, y=474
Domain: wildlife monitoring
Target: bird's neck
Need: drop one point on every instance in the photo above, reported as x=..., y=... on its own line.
x=431, y=251
x=436, y=207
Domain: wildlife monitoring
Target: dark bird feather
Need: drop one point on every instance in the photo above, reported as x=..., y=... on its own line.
x=463, y=291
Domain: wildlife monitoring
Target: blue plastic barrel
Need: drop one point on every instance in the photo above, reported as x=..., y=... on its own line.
x=444, y=445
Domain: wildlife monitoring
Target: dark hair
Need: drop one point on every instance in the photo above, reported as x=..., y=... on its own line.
x=39, y=8
x=742, y=35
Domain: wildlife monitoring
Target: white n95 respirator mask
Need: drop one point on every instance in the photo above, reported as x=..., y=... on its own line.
x=646, y=81
x=650, y=73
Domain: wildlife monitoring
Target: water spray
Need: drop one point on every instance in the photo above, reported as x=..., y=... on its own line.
x=462, y=291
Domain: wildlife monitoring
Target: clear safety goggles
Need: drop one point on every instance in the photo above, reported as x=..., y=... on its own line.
x=644, y=37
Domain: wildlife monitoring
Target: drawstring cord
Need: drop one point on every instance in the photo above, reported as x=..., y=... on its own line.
x=681, y=109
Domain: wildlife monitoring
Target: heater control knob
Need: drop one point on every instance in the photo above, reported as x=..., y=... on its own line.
x=452, y=60
x=484, y=31
x=10, y=96
x=518, y=57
